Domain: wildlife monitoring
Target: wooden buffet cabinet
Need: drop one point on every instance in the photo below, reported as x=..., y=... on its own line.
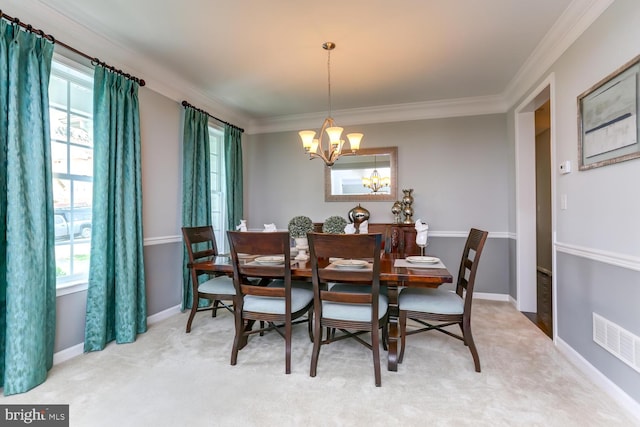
x=398, y=239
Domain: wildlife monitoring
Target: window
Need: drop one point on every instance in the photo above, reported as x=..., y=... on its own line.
x=218, y=195
x=71, y=117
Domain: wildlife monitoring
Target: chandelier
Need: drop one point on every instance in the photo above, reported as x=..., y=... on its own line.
x=375, y=182
x=333, y=149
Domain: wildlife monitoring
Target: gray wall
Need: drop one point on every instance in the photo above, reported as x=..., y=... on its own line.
x=597, y=250
x=454, y=165
x=458, y=168
x=587, y=287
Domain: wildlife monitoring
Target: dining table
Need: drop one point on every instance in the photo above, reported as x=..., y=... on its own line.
x=395, y=272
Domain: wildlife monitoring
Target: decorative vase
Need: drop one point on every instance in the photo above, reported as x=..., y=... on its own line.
x=407, y=209
x=358, y=215
x=302, y=245
x=396, y=210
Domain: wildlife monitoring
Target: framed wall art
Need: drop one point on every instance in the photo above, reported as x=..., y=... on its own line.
x=608, y=124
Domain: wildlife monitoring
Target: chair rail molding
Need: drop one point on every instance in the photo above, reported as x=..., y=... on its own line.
x=464, y=234
x=161, y=240
x=613, y=258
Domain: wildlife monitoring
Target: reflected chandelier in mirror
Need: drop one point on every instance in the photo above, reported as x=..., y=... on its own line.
x=345, y=180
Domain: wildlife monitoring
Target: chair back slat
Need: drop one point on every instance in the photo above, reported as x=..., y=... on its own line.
x=469, y=262
x=200, y=243
x=349, y=298
x=262, y=291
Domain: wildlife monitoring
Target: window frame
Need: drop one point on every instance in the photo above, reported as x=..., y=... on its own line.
x=74, y=283
x=218, y=186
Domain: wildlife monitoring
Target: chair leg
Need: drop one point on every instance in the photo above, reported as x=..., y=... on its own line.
x=403, y=334
x=310, y=323
x=468, y=340
x=287, y=340
x=194, y=309
x=462, y=330
x=237, y=341
x=317, y=339
x=214, y=308
x=385, y=336
x=375, y=346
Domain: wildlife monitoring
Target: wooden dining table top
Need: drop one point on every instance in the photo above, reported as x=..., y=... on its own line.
x=418, y=276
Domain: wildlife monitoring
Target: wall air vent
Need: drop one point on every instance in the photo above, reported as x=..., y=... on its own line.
x=617, y=340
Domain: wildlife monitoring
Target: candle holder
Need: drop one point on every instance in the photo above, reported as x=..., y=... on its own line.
x=407, y=209
x=396, y=210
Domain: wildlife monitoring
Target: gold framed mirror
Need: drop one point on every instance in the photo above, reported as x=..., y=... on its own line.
x=346, y=180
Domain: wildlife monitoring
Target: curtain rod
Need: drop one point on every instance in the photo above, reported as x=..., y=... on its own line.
x=94, y=61
x=186, y=104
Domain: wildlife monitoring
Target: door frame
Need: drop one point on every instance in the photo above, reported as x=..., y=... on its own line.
x=524, y=121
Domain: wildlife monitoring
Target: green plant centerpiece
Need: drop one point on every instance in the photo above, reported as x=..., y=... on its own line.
x=334, y=225
x=299, y=226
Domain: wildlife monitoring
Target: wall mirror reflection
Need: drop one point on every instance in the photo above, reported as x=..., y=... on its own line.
x=369, y=175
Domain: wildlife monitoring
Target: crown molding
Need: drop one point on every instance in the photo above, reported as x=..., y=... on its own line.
x=572, y=23
x=385, y=114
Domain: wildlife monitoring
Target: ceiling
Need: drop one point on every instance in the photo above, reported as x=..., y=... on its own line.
x=260, y=61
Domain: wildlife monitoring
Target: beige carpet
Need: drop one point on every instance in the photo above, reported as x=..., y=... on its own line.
x=170, y=378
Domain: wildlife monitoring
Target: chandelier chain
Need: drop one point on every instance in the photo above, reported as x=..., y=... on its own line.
x=329, y=79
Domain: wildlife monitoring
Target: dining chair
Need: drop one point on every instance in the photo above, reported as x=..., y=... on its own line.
x=275, y=299
x=424, y=305
x=201, y=247
x=347, y=293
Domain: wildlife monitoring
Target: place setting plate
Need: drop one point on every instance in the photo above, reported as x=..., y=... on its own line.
x=350, y=263
x=422, y=259
x=270, y=260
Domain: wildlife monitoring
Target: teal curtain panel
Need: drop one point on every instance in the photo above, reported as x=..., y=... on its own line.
x=116, y=298
x=196, y=187
x=27, y=249
x=233, y=174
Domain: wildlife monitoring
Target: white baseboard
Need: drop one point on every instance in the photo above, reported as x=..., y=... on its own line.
x=490, y=296
x=165, y=314
x=604, y=383
x=68, y=353
x=77, y=350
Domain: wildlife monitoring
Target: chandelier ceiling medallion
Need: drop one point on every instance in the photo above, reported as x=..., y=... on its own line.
x=333, y=149
x=375, y=182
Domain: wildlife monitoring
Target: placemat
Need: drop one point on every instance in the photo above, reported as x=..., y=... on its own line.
x=332, y=266
x=404, y=263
